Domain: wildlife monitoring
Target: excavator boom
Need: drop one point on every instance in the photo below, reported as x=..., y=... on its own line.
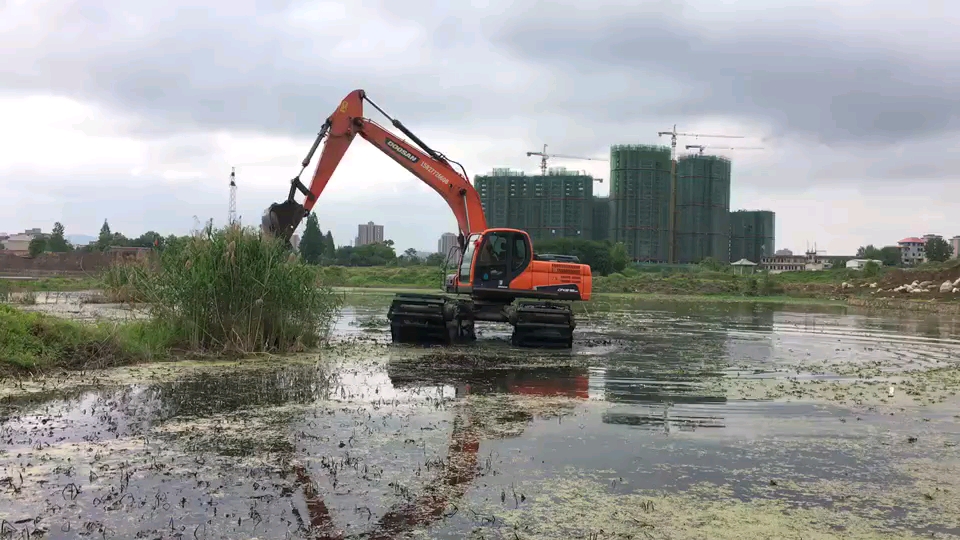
x=431, y=167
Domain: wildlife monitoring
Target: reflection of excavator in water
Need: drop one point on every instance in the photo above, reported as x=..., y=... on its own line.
x=439, y=498
x=497, y=267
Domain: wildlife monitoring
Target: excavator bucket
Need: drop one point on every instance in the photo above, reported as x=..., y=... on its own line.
x=281, y=219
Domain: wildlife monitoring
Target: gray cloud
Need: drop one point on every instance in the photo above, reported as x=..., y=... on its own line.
x=243, y=67
x=802, y=76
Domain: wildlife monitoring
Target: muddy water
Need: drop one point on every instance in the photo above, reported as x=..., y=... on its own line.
x=665, y=421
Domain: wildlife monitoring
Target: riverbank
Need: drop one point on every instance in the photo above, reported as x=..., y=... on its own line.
x=35, y=342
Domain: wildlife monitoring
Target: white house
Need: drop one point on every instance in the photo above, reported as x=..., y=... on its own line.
x=912, y=250
x=858, y=264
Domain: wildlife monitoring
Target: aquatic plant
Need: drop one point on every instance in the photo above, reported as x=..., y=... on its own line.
x=230, y=290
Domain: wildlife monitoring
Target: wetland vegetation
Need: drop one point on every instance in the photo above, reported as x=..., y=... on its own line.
x=224, y=292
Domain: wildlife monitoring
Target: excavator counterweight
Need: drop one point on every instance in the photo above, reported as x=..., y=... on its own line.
x=499, y=278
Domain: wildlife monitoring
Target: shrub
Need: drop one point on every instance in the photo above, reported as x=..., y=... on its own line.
x=230, y=290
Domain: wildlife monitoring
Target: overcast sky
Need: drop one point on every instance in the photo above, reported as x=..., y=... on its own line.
x=135, y=112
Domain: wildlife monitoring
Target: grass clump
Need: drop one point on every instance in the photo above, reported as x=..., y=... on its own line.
x=230, y=291
x=35, y=341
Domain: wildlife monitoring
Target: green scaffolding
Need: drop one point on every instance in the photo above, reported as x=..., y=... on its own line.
x=752, y=235
x=558, y=205
x=703, y=209
x=640, y=200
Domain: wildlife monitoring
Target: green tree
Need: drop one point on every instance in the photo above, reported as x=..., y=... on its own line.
x=602, y=257
x=871, y=269
x=891, y=255
x=57, y=243
x=106, y=237
x=2, y=247
x=711, y=264
x=411, y=253
x=312, y=243
x=376, y=254
x=619, y=257
x=868, y=252
x=435, y=259
x=149, y=239
x=329, y=248
x=37, y=246
x=937, y=250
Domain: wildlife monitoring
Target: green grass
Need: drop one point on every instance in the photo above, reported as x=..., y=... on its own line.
x=408, y=277
x=34, y=341
x=229, y=291
x=46, y=284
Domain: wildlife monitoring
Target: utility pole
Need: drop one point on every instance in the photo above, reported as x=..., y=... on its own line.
x=672, y=248
x=232, y=211
x=544, y=156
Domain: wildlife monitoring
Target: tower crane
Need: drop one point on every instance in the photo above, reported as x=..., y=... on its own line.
x=672, y=248
x=700, y=148
x=544, y=156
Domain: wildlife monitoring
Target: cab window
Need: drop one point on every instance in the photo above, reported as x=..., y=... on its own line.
x=468, y=257
x=519, y=260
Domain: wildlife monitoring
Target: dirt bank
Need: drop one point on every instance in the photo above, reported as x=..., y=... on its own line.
x=947, y=304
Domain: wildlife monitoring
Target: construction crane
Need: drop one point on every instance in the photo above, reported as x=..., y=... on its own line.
x=672, y=248
x=544, y=156
x=700, y=148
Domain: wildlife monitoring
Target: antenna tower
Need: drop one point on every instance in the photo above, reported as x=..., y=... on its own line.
x=232, y=212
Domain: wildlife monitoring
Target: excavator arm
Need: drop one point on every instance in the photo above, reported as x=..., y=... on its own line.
x=339, y=130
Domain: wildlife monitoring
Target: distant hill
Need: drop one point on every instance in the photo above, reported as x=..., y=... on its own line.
x=80, y=239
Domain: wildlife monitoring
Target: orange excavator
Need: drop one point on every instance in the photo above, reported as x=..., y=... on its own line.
x=499, y=278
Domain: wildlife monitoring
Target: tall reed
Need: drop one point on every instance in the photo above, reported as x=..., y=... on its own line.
x=230, y=290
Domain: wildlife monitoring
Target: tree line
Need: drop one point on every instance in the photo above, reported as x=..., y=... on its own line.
x=317, y=247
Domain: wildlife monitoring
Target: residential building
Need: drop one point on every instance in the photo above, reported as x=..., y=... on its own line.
x=752, y=234
x=601, y=217
x=369, y=233
x=703, y=209
x=783, y=263
x=810, y=262
x=556, y=205
x=955, y=244
x=640, y=200
x=447, y=242
x=859, y=264
x=18, y=243
x=912, y=250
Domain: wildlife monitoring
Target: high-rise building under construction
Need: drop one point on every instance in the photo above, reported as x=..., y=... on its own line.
x=640, y=200
x=703, y=209
x=601, y=218
x=751, y=235
x=556, y=205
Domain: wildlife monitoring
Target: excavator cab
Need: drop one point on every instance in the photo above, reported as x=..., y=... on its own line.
x=492, y=261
